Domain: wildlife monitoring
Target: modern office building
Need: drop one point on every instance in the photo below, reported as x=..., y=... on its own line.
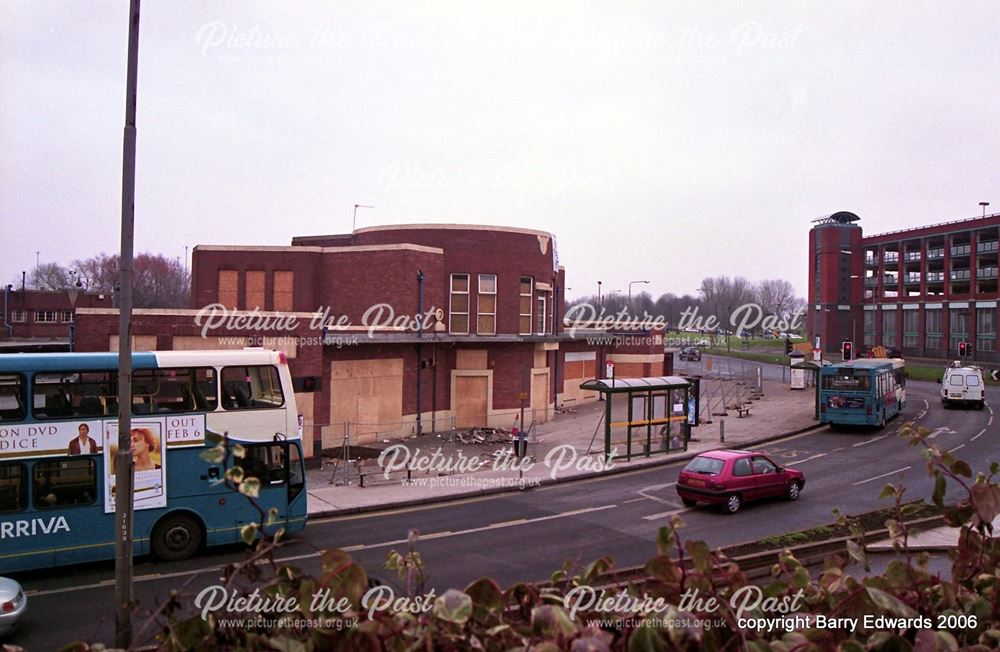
x=922, y=291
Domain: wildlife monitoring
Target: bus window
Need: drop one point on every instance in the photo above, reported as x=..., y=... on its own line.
x=12, y=402
x=173, y=390
x=247, y=388
x=63, y=483
x=296, y=476
x=266, y=462
x=13, y=487
x=849, y=380
x=74, y=394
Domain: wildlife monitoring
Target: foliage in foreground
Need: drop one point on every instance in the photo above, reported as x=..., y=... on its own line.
x=962, y=608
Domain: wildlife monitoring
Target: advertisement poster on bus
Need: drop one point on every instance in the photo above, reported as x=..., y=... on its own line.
x=149, y=459
x=846, y=402
x=77, y=437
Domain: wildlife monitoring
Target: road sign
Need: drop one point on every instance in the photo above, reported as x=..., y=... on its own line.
x=610, y=369
x=522, y=396
x=818, y=355
x=993, y=374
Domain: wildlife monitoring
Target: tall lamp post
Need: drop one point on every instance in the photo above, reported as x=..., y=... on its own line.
x=598, y=293
x=630, y=284
x=984, y=204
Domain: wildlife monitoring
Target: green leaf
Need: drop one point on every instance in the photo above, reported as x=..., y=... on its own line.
x=887, y=491
x=286, y=644
x=214, y=455
x=250, y=487
x=487, y=600
x=235, y=474
x=700, y=555
x=857, y=553
x=552, y=622
x=664, y=541
x=647, y=639
x=239, y=452
x=890, y=603
x=589, y=644
x=453, y=607
x=987, y=500
x=940, y=486
x=272, y=515
x=248, y=533
x=961, y=467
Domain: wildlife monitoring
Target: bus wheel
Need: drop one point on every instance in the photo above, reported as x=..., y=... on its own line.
x=176, y=537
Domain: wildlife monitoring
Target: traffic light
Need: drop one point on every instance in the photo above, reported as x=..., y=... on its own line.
x=964, y=349
x=847, y=350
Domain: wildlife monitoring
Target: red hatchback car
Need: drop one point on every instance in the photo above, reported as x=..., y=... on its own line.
x=729, y=478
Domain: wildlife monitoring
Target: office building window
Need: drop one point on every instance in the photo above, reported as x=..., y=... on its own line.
x=540, y=324
x=958, y=320
x=18, y=316
x=932, y=327
x=986, y=329
x=66, y=316
x=527, y=291
x=869, y=328
x=889, y=328
x=911, y=328
x=486, y=323
x=458, y=321
x=46, y=316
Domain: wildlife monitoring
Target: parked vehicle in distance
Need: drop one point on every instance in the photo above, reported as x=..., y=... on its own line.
x=13, y=604
x=962, y=386
x=690, y=353
x=730, y=478
x=703, y=342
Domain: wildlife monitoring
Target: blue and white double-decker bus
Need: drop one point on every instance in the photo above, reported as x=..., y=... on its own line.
x=867, y=391
x=59, y=437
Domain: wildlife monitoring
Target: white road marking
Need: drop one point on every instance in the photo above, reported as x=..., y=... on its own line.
x=952, y=450
x=943, y=430
x=657, y=487
x=816, y=456
x=978, y=435
x=837, y=450
x=868, y=441
x=656, y=517
x=881, y=476
x=634, y=500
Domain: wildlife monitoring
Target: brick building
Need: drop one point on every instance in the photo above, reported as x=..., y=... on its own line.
x=41, y=320
x=345, y=309
x=922, y=291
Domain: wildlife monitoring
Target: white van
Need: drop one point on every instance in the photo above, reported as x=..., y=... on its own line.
x=962, y=385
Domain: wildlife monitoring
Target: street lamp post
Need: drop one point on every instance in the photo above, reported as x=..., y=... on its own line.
x=984, y=204
x=630, y=284
x=598, y=293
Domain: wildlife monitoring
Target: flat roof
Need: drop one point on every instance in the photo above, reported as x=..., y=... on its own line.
x=614, y=386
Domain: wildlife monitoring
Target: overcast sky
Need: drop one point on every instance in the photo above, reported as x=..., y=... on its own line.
x=666, y=141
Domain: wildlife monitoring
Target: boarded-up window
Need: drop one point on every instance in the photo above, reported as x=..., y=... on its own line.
x=229, y=286
x=284, y=284
x=459, y=321
x=487, y=323
x=526, y=294
x=254, y=294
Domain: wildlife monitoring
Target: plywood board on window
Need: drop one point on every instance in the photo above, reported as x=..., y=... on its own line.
x=470, y=401
x=368, y=395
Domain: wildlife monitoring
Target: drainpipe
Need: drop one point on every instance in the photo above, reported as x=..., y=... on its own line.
x=6, y=299
x=420, y=334
x=555, y=331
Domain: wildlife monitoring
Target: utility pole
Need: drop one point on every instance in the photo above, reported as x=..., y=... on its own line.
x=123, y=458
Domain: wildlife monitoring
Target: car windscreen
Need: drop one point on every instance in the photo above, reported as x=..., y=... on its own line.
x=707, y=465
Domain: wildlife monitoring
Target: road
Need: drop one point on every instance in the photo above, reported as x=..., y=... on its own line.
x=528, y=535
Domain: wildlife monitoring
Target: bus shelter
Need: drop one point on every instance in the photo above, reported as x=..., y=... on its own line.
x=646, y=415
x=811, y=367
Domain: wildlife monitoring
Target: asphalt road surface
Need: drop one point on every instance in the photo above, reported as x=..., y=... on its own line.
x=527, y=535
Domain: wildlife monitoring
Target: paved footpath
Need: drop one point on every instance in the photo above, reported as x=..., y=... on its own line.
x=563, y=449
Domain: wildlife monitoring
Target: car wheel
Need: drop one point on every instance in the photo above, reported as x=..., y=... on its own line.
x=793, y=490
x=176, y=537
x=688, y=502
x=733, y=503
